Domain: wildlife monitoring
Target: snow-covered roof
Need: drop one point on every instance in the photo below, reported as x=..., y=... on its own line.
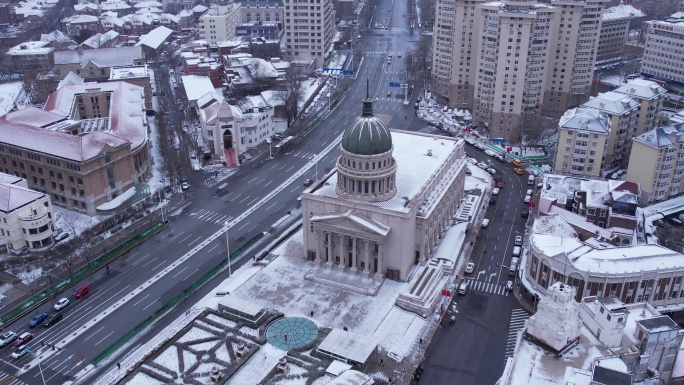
x=369, y=224
x=31, y=48
x=199, y=9
x=86, y=6
x=114, y=5
x=13, y=197
x=10, y=179
x=102, y=57
x=612, y=102
x=349, y=345
x=99, y=39
x=552, y=235
x=10, y=95
x=81, y=19
x=196, y=86
x=351, y=377
x=662, y=136
x=128, y=72
x=219, y=110
x=26, y=128
x=621, y=12
x=56, y=36
x=585, y=119
x=156, y=37
x=69, y=80
x=273, y=98
x=148, y=4
x=641, y=89
x=414, y=167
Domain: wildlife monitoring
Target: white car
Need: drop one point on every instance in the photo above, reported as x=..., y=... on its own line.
x=491, y=171
x=470, y=267
x=482, y=166
x=527, y=199
x=518, y=240
x=529, y=192
x=7, y=338
x=61, y=304
x=20, y=352
x=495, y=191
x=472, y=160
x=185, y=185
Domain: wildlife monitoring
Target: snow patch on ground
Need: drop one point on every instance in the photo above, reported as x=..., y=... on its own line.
x=28, y=277
x=74, y=223
x=143, y=379
x=195, y=334
x=258, y=366
x=169, y=359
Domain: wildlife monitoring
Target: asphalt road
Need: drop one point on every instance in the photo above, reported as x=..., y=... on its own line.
x=473, y=350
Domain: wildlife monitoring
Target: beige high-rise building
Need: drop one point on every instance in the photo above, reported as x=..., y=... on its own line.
x=622, y=112
x=218, y=23
x=511, y=61
x=582, y=141
x=309, y=28
x=657, y=163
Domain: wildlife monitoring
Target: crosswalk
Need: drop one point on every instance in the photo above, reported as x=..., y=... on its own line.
x=302, y=154
x=518, y=318
x=7, y=379
x=398, y=100
x=429, y=130
x=489, y=287
x=383, y=53
x=210, y=216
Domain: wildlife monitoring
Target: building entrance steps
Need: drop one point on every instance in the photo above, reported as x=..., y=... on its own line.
x=355, y=281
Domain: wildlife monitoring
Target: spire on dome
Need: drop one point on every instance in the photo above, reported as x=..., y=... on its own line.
x=367, y=103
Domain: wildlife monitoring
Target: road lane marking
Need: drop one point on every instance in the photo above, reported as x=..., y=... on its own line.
x=243, y=226
x=151, y=303
x=141, y=299
x=151, y=260
x=182, y=270
x=105, y=337
x=244, y=199
x=98, y=330
x=190, y=275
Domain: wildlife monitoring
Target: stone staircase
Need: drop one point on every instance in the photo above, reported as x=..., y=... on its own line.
x=422, y=294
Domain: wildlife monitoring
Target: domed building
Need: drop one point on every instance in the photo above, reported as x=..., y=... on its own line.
x=385, y=206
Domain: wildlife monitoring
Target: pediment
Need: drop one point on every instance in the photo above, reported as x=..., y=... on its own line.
x=349, y=222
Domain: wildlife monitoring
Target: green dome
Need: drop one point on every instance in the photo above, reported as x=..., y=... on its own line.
x=367, y=135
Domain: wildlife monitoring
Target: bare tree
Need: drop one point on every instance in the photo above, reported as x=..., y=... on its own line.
x=292, y=95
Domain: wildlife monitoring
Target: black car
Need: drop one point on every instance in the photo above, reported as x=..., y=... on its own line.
x=525, y=213
x=53, y=319
x=492, y=200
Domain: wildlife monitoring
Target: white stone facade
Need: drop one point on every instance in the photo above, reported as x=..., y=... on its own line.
x=26, y=218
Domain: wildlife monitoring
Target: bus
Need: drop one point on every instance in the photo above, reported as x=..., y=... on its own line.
x=284, y=144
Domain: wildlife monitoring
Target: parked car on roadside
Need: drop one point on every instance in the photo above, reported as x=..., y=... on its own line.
x=470, y=267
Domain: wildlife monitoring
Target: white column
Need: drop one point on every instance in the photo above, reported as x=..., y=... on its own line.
x=354, y=261
x=317, y=233
x=342, y=253
x=378, y=274
x=366, y=269
x=330, y=250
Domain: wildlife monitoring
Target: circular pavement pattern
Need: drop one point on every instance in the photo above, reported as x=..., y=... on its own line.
x=291, y=333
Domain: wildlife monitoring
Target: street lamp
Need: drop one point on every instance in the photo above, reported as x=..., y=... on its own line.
x=40, y=368
x=270, y=151
x=230, y=273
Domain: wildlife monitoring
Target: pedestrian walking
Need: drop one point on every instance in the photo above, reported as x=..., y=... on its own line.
x=118, y=365
x=285, y=337
x=311, y=313
x=382, y=362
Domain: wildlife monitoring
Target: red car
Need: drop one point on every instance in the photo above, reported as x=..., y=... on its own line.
x=82, y=291
x=499, y=184
x=23, y=339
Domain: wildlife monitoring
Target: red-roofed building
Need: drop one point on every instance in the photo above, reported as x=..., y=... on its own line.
x=87, y=147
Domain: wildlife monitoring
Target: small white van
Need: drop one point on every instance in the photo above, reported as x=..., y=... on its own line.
x=516, y=251
x=485, y=223
x=513, y=267
x=530, y=180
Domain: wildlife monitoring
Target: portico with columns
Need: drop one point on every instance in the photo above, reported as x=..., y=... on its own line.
x=385, y=206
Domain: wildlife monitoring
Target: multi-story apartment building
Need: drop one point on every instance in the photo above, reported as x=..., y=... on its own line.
x=622, y=112
x=614, y=32
x=136, y=75
x=657, y=163
x=511, y=61
x=650, y=97
x=218, y=23
x=582, y=141
x=88, y=146
x=664, y=51
x=32, y=55
x=309, y=29
x=26, y=219
x=262, y=10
